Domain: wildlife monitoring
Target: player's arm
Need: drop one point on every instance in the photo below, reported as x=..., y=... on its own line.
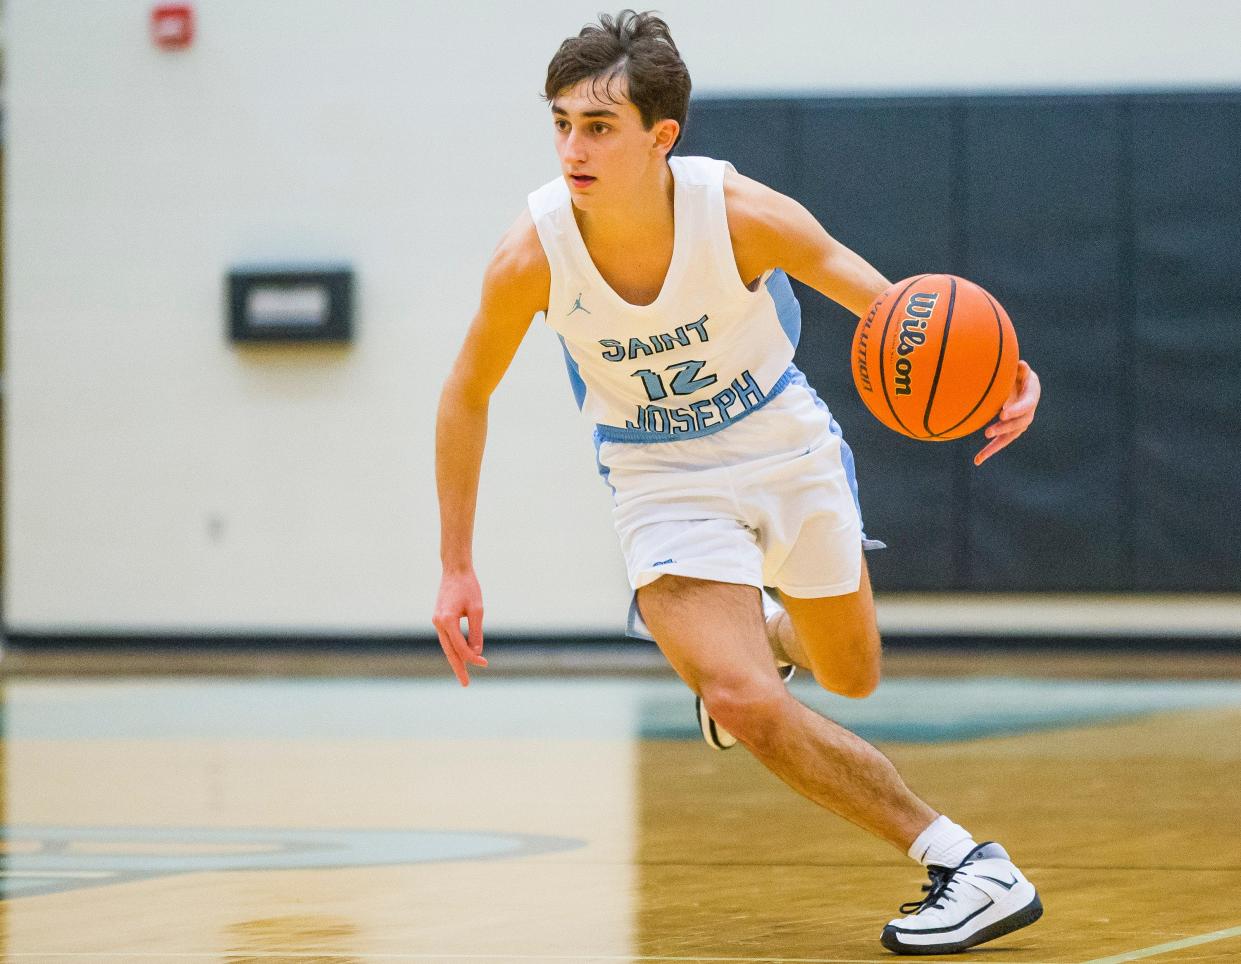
x=515, y=289
x=771, y=230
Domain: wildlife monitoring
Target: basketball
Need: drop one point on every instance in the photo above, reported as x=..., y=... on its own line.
x=934, y=357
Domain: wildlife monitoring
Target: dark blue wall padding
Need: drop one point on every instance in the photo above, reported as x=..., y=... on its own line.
x=1109, y=226
x=1185, y=386
x=1043, y=223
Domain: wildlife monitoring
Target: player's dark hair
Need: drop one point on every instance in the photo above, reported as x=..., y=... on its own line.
x=635, y=47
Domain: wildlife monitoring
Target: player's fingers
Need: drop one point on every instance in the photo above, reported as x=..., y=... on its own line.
x=1000, y=437
x=475, y=621
x=1025, y=394
x=1013, y=427
x=452, y=628
x=458, y=667
x=453, y=642
x=990, y=450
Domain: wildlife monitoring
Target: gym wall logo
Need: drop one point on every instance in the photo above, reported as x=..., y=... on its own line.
x=913, y=334
x=44, y=860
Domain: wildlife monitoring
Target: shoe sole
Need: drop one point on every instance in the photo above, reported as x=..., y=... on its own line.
x=1015, y=921
x=717, y=737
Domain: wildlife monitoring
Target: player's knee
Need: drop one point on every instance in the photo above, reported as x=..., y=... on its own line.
x=855, y=677
x=748, y=709
x=856, y=686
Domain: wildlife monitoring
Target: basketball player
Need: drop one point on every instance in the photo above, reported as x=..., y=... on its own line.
x=665, y=278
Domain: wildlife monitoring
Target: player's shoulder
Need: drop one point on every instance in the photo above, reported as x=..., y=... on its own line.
x=750, y=202
x=518, y=265
x=757, y=214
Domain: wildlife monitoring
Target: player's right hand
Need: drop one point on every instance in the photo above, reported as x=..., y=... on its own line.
x=460, y=598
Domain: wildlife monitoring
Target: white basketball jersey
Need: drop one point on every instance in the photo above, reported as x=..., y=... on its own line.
x=705, y=353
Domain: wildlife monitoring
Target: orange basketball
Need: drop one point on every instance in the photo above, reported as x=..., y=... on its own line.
x=935, y=357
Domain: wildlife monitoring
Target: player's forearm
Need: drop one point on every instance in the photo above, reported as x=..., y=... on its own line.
x=849, y=279
x=460, y=435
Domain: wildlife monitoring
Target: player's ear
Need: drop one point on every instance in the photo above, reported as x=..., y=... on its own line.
x=666, y=132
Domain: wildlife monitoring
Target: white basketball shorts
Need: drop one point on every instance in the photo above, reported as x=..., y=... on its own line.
x=771, y=500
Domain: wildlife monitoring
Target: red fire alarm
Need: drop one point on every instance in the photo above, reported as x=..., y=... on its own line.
x=172, y=25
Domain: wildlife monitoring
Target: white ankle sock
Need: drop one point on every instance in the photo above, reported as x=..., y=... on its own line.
x=942, y=843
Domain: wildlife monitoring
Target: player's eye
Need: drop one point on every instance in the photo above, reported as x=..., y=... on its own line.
x=560, y=124
x=600, y=128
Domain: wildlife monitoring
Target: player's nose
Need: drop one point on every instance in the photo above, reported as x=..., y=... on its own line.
x=574, y=147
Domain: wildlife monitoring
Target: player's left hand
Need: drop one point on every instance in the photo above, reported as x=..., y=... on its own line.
x=1016, y=414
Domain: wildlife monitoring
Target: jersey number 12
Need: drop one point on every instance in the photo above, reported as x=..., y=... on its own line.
x=684, y=382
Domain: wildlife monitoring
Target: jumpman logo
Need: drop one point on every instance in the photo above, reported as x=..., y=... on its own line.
x=577, y=306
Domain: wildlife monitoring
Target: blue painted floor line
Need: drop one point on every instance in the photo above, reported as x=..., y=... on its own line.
x=918, y=710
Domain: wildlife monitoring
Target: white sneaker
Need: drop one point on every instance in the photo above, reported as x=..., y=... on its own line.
x=982, y=898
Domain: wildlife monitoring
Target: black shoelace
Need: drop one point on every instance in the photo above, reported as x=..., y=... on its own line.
x=941, y=879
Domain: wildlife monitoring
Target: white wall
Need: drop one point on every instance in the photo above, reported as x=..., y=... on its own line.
x=158, y=478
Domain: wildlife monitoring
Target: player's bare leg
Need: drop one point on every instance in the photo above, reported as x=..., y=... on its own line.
x=713, y=635
x=836, y=638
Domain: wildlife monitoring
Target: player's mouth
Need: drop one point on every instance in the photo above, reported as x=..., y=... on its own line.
x=581, y=180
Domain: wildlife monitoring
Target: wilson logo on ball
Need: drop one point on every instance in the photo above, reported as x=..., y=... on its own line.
x=913, y=334
x=934, y=357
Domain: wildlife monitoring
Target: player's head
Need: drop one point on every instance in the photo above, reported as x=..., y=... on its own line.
x=619, y=93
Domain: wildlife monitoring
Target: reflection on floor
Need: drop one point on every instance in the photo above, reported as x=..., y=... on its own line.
x=580, y=819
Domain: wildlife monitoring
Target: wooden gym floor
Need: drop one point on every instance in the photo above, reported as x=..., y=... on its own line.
x=553, y=814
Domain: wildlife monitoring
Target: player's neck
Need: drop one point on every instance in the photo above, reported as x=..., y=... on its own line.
x=644, y=215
